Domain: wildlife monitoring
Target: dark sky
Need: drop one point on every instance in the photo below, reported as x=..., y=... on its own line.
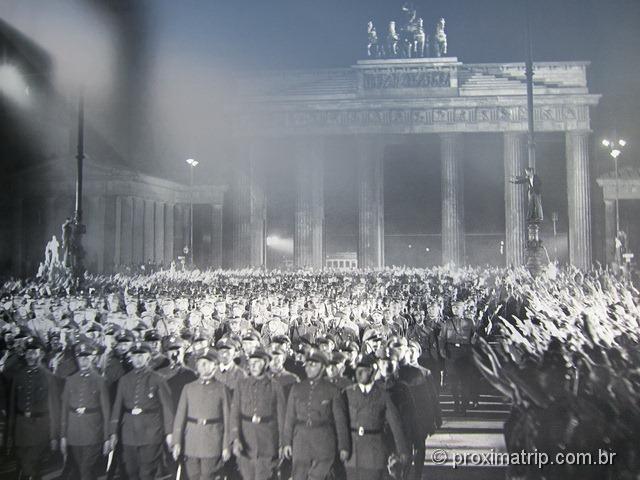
x=166, y=67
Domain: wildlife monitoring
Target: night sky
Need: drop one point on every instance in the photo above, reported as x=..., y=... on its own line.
x=166, y=67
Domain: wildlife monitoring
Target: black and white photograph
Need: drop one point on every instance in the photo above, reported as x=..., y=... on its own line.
x=319, y=240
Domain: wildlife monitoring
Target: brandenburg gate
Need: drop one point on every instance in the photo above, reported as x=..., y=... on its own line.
x=374, y=99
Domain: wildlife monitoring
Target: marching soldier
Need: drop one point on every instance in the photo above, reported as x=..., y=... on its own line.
x=176, y=374
x=278, y=372
x=257, y=418
x=370, y=408
x=316, y=424
x=34, y=407
x=144, y=409
x=85, y=415
x=455, y=345
x=201, y=430
x=228, y=372
x=335, y=371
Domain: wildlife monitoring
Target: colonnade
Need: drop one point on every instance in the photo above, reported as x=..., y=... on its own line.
x=249, y=201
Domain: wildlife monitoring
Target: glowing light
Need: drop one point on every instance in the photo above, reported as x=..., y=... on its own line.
x=192, y=162
x=622, y=142
x=283, y=245
x=12, y=84
x=606, y=142
x=615, y=153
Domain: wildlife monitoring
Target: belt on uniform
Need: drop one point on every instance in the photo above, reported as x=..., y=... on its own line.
x=204, y=421
x=361, y=431
x=256, y=418
x=140, y=411
x=29, y=414
x=84, y=410
x=459, y=345
x=313, y=424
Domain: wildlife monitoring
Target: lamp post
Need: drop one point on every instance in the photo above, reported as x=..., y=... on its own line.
x=615, y=149
x=74, y=228
x=192, y=165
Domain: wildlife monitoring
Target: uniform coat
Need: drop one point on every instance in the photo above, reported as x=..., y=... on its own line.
x=316, y=423
x=146, y=390
x=368, y=413
x=264, y=398
x=203, y=400
x=34, y=407
x=85, y=412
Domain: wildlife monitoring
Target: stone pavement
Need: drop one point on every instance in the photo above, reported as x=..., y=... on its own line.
x=468, y=436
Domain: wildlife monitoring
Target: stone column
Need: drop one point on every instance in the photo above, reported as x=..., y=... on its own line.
x=149, y=231
x=117, y=249
x=159, y=232
x=126, y=237
x=515, y=198
x=216, y=236
x=453, y=234
x=610, y=230
x=138, y=231
x=169, y=234
x=249, y=208
x=577, y=143
x=370, y=201
x=309, y=213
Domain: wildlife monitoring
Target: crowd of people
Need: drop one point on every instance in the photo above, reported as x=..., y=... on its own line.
x=312, y=374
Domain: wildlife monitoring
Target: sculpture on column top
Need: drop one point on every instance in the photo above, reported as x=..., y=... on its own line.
x=440, y=39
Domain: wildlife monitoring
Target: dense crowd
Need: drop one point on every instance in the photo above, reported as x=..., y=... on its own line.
x=250, y=374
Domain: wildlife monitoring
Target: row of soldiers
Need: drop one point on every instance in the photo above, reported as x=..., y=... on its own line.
x=323, y=404
x=239, y=407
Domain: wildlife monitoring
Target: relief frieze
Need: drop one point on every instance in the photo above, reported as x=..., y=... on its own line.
x=396, y=80
x=409, y=117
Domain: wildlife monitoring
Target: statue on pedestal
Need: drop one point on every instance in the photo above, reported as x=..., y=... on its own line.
x=409, y=41
x=51, y=254
x=440, y=39
x=373, y=49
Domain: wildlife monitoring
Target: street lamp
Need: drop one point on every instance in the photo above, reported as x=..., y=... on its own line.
x=615, y=149
x=192, y=164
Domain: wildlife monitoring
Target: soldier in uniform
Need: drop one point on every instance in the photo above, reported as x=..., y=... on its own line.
x=201, y=429
x=34, y=409
x=316, y=423
x=277, y=369
x=370, y=408
x=228, y=372
x=257, y=418
x=144, y=408
x=176, y=374
x=335, y=371
x=85, y=415
x=455, y=344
